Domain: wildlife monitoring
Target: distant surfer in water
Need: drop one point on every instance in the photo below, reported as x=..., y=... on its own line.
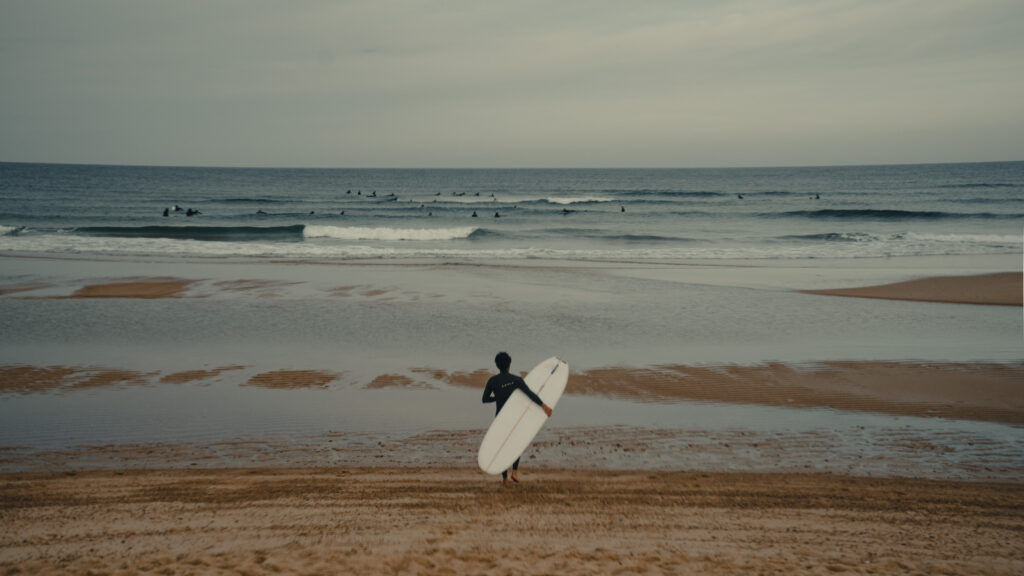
x=498, y=390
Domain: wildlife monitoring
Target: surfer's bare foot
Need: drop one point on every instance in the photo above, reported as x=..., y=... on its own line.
x=506, y=483
x=515, y=476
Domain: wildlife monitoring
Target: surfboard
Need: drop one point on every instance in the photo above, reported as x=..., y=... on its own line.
x=520, y=419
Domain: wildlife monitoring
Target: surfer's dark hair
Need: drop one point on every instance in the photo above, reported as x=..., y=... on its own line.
x=503, y=361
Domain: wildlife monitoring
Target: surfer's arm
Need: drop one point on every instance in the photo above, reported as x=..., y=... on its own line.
x=526, y=390
x=536, y=399
x=489, y=394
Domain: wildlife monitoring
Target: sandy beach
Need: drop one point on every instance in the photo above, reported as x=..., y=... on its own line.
x=437, y=521
x=185, y=460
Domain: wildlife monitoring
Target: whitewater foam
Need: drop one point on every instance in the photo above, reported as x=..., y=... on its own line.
x=577, y=199
x=905, y=244
x=365, y=233
x=995, y=240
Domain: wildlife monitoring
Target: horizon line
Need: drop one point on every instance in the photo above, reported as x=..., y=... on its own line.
x=744, y=167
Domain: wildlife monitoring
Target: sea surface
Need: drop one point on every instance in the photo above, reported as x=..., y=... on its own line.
x=601, y=215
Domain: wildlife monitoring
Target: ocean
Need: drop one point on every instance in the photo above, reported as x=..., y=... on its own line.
x=571, y=214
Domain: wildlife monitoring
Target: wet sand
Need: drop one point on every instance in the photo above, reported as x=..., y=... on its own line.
x=967, y=391
x=973, y=391
x=437, y=521
x=35, y=379
x=1000, y=289
x=147, y=288
x=15, y=288
x=1003, y=289
x=292, y=379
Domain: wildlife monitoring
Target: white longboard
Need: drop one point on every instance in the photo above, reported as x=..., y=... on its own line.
x=520, y=419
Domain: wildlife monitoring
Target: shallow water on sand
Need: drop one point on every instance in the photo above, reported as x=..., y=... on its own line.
x=371, y=319
x=227, y=424
x=360, y=322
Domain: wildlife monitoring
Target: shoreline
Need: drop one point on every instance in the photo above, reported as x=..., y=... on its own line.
x=435, y=520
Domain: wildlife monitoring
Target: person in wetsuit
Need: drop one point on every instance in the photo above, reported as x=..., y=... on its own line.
x=498, y=390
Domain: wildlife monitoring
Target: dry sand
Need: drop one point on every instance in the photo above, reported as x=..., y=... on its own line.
x=1002, y=289
x=435, y=521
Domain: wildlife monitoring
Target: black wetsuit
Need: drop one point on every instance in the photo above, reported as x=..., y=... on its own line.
x=498, y=390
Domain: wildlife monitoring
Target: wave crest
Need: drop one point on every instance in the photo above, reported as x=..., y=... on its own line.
x=576, y=199
x=207, y=233
x=889, y=214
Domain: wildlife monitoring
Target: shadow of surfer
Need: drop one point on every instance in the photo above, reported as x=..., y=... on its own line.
x=498, y=390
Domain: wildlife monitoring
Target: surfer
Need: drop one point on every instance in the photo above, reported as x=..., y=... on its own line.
x=498, y=390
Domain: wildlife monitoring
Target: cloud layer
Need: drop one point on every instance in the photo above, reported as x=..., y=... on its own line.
x=467, y=84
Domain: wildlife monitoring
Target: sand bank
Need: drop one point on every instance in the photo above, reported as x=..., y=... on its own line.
x=196, y=375
x=15, y=288
x=977, y=391
x=1002, y=289
x=34, y=379
x=967, y=391
x=292, y=379
x=437, y=521
x=146, y=288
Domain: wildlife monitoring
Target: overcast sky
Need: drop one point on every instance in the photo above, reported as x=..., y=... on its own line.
x=517, y=83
